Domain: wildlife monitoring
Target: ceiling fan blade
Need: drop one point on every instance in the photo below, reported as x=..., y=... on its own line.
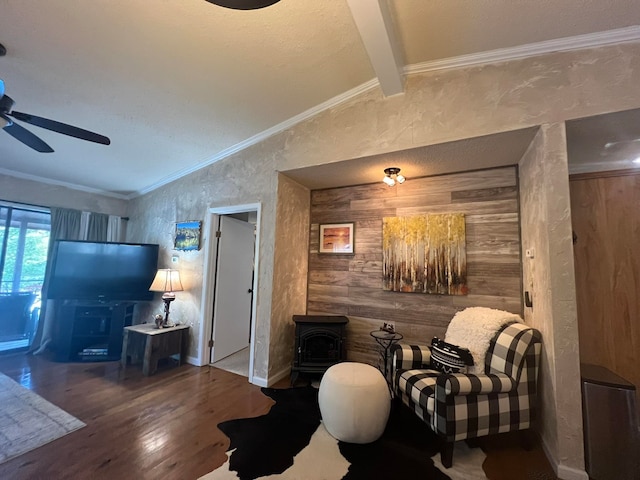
x=60, y=127
x=28, y=138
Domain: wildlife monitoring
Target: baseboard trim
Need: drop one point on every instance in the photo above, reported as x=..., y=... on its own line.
x=263, y=382
x=562, y=471
x=259, y=381
x=193, y=361
x=568, y=473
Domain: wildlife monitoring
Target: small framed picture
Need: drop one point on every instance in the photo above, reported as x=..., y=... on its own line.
x=336, y=238
x=187, y=235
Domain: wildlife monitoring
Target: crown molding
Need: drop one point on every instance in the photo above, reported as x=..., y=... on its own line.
x=72, y=186
x=578, y=42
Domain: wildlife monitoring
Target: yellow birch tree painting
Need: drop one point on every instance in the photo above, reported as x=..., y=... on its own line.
x=425, y=254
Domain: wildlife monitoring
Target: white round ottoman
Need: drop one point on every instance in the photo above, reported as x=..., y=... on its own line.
x=354, y=402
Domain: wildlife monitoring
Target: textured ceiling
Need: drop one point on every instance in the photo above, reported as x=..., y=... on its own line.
x=437, y=29
x=177, y=83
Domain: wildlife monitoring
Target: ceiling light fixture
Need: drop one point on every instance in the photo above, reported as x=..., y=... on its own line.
x=392, y=175
x=243, y=4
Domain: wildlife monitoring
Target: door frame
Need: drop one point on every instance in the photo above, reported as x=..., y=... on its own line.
x=209, y=279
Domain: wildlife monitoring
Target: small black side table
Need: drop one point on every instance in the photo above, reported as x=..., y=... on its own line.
x=385, y=340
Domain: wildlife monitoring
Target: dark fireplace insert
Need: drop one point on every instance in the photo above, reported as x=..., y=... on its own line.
x=320, y=343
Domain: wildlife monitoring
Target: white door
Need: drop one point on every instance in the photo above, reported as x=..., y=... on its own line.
x=233, y=288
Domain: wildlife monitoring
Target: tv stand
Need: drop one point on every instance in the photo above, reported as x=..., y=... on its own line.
x=91, y=330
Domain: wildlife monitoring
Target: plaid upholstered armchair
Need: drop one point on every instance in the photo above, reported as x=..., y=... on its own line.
x=497, y=396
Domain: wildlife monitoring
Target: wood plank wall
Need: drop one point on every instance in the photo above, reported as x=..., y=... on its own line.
x=606, y=223
x=352, y=284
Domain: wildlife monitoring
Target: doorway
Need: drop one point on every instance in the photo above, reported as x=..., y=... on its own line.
x=230, y=288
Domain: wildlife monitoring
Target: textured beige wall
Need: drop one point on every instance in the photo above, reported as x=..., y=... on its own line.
x=533, y=214
x=549, y=277
x=36, y=193
x=247, y=177
x=456, y=104
x=290, y=269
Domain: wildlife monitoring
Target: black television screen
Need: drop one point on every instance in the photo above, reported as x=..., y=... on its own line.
x=102, y=271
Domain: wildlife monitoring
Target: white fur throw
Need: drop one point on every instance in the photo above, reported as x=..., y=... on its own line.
x=474, y=327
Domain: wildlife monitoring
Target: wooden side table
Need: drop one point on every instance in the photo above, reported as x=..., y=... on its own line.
x=153, y=344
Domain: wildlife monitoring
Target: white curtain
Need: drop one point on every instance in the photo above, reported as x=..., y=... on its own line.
x=114, y=229
x=94, y=225
x=84, y=225
x=98, y=227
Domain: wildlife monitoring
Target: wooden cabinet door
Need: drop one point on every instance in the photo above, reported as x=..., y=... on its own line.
x=605, y=212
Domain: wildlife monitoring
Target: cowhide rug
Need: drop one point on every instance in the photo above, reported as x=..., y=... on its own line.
x=290, y=442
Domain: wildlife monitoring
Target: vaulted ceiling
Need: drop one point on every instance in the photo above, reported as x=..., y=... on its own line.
x=179, y=84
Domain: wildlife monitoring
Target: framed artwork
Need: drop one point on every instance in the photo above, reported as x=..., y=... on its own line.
x=336, y=238
x=425, y=254
x=188, y=235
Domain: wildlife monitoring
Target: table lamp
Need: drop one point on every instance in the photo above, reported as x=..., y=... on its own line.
x=168, y=282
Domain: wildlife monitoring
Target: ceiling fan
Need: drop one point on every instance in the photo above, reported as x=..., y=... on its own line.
x=243, y=4
x=25, y=136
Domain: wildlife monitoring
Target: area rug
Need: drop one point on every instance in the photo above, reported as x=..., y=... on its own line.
x=290, y=442
x=28, y=421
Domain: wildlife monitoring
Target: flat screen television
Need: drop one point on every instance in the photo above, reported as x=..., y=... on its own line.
x=102, y=271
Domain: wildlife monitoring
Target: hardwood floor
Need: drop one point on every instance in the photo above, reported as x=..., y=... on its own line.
x=163, y=426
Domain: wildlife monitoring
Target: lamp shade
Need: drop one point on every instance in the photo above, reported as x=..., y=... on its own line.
x=166, y=280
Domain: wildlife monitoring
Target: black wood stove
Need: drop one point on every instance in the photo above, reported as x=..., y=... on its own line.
x=320, y=343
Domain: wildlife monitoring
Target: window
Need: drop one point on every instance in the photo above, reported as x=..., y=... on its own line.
x=24, y=241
